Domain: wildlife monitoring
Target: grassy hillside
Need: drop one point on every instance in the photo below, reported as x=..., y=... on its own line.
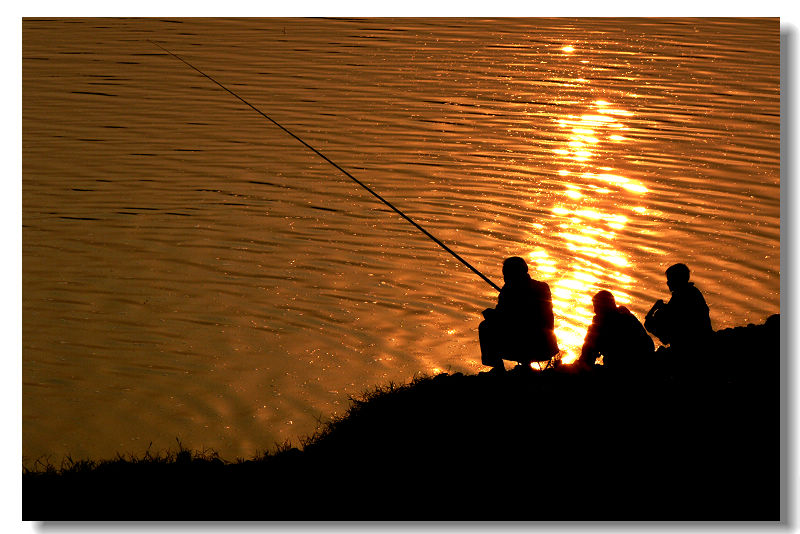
x=678, y=439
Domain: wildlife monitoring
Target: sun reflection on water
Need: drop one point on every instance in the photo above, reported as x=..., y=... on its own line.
x=588, y=217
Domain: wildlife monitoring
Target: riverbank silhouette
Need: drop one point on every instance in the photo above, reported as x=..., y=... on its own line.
x=679, y=440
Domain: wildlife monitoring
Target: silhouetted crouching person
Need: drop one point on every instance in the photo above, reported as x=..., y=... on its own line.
x=683, y=323
x=520, y=327
x=617, y=335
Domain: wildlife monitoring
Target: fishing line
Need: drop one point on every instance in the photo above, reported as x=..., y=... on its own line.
x=323, y=156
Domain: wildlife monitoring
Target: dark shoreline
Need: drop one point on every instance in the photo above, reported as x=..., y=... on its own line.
x=676, y=440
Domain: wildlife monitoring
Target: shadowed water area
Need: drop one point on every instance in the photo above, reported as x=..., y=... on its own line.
x=191, y=271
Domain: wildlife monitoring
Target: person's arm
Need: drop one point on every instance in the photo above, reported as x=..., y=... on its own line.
x=589, y=351
x=501, y=299
x=660, y=321
x=656, y=307
x=490, y=313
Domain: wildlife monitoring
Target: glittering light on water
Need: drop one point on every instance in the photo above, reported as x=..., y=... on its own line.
x=635, y=188
x=597, y=120
x=587, y=225
x=616, y=112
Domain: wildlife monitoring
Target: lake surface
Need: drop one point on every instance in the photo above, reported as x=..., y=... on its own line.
x=191, y=271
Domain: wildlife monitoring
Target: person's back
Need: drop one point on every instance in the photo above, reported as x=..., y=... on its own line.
x=526, y=303
x=521, y=327
x=689, y=315
x=616, y=334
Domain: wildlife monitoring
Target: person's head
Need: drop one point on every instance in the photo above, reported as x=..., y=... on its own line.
x=604, y=302
x=514, y=269
x=677, y=276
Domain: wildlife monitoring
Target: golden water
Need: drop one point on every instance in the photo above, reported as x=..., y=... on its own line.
x=191, y=271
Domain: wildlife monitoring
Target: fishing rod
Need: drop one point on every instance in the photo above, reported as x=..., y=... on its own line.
x=323, y=156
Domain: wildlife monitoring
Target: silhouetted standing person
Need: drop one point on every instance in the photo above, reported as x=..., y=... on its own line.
x=616, y=334
x=521, y=327
x=683, y=323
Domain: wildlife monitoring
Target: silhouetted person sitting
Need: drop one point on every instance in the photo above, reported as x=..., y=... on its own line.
x=683, y=323
x=616, y=334
x=520, y=327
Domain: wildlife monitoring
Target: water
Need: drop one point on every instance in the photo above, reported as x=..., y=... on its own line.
x=190, y=271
